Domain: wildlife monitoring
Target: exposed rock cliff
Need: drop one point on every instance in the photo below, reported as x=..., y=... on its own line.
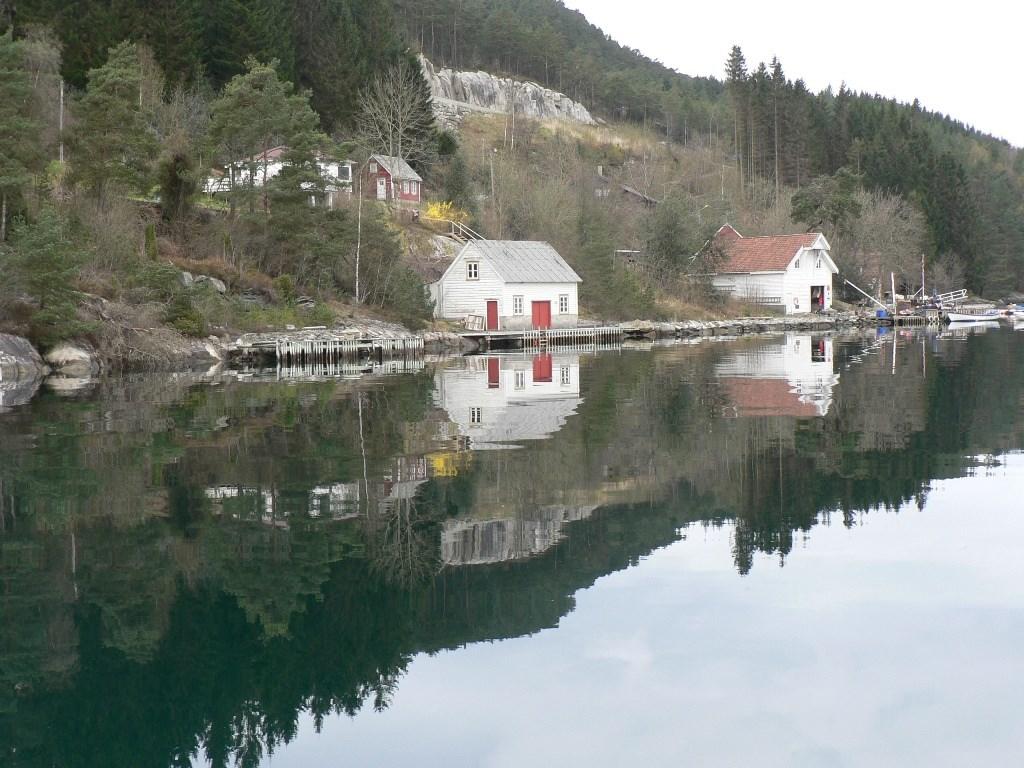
x=456, y=94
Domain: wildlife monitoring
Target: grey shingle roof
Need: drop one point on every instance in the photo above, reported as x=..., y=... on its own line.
x=526, y=261
x=397, y=169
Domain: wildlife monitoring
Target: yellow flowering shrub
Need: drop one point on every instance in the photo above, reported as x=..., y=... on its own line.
x=446, y=211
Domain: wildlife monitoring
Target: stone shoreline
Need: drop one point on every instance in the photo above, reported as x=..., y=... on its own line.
x=22, y=368
x=742, y=325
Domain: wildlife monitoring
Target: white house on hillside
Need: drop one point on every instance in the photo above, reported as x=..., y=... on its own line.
x=793, y=272
x=337, y=174
x=508, y=285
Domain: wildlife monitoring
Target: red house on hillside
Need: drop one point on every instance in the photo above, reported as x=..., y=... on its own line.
x=389, y=178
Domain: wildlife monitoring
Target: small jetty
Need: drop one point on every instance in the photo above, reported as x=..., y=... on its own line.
x=321, y=347
x=576, y=338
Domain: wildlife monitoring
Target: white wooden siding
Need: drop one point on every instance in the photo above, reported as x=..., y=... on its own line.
x=799, y=281
x=532, y=292
x=757, y=287
x=455, y=296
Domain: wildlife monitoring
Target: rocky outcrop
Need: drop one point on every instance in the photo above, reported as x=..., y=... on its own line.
x=456, y=94
x=73, y=360
x=21, y=371
x=218, y=285
x=19, y=359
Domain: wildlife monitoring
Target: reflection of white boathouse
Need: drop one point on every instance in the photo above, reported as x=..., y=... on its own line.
x=500, y=400
x=794, y=377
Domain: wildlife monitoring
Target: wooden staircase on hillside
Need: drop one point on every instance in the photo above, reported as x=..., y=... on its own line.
x=457, y=231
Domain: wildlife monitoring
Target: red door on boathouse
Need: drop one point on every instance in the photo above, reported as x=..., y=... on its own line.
x=542, y=368
x=492, y=315
x=541, y=315
x=493, y=373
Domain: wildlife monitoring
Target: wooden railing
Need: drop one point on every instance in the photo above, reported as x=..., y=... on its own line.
x=456, y=229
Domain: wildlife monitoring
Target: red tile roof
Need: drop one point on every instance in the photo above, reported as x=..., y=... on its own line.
x=771, y=253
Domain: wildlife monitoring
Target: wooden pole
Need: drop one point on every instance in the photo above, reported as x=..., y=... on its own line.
x=60, y=125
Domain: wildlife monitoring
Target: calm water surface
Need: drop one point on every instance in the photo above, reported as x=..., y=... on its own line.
x=782, y=551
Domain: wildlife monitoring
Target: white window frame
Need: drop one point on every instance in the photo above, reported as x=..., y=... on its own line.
x=476, y=415
x=517, y=305
x=520, y=380
x=563, y=304
x=565, y=375
x=472, y=270
x=373, y=167
x=796, y=264
x=818, y=264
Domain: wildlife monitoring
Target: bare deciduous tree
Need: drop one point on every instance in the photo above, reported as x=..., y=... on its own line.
x=395, y=118
x=888, y=236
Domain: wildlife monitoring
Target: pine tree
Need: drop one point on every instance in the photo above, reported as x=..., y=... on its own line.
x=112, y=145
x=45, y=264
x=778, y=80
x=256, y=112
x=21, y=153
x=737, y=87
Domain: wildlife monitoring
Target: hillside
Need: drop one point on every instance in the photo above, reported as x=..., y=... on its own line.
x=198, y=85
x=968, y=186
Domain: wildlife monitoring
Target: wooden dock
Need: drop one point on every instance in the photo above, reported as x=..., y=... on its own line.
x=918, y=319
x=323, y=348
x=563, y=338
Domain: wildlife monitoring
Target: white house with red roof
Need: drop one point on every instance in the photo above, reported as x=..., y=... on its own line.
x=792, y=272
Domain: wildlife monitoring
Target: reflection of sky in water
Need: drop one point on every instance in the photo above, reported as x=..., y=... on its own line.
x=896, y=642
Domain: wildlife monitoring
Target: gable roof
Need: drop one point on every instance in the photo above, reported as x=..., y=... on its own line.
x=645, y=199
x=395, y=168
x=769, y=253
x=521, y=261
x=726, y=234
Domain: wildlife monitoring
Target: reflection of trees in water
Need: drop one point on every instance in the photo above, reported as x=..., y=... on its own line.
x=219, y=622
x=402, y=545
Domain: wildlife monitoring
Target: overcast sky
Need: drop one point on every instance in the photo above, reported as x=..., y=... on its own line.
x=966, y=63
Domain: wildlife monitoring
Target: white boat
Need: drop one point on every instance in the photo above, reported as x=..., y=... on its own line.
x=973, y=317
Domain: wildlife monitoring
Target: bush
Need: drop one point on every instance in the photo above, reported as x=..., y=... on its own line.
x=284, y=286
x=446, y=211
x=182, y=315
x=408, y=298
x=159, y=281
